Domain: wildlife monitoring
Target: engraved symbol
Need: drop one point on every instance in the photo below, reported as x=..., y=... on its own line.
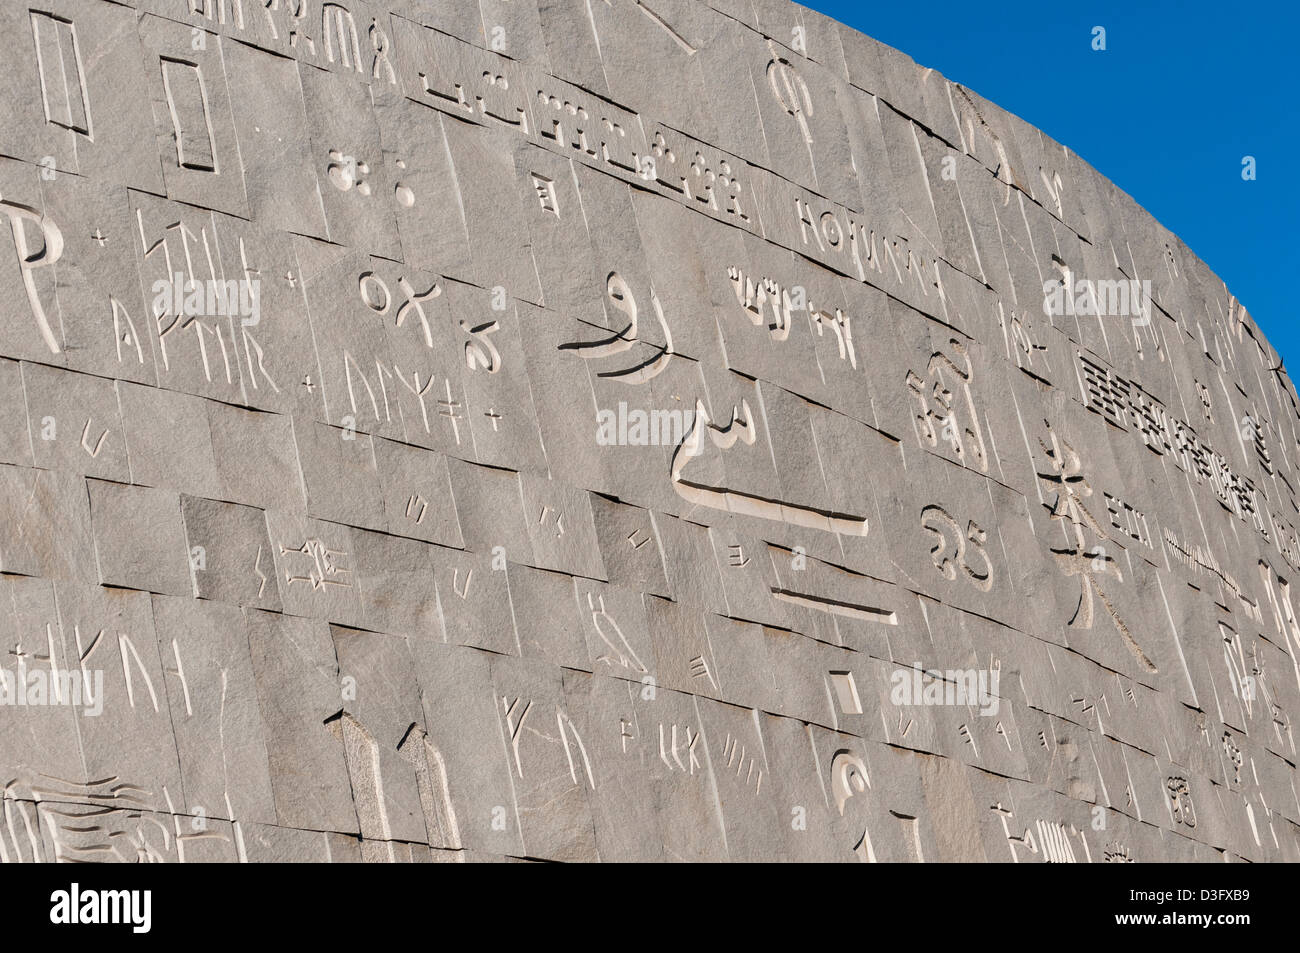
x=99, y=237
x=515, y=727
x=404, y=194
x=545, y=189
x=376, y=296
x=663, y=25
x=846, y=692
x=742, y=428
x=362, y=756
x=344, y=31
x=849, y=610
x=562, y=720
x=968, y=738
x=734, y=753
x=904, y=729
x=51, y=251
x=462, y=591
x=623, y=734
x=689, y=740
x=622, y=651
x=848, y=777
x=699, y=668
x=379, y=43
x=431, y=781
x=257, y=568
x=736, y=556
x=1180, y=797
x=945, y=529
x=634, y=542
x=218, y=10
x=451, y=410
x=559, y=520
x=936, y=415
x=63, y=79
x=187, y=103
x=85, y=433
x=323, y=570
x=475, y=355
x=346, y=173
x=1065, y=477
x=791, y=93
x=1026, y=840
x=620, y=294
x=493, y=416
x=416, y=507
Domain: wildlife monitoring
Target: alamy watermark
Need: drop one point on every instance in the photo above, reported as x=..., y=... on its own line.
x=211, y=298
x=962, y=686
x=642, y=428
x=75, y=688
x=1084, y=297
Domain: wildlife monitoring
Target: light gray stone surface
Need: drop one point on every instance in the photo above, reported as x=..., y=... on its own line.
x=640, y=400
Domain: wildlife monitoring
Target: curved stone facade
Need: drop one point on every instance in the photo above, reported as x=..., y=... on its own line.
x=612, y=429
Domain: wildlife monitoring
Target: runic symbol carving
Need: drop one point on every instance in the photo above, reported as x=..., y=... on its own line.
x=515, y=718
x=456, y=587
x=670, y=746
x=741, y=428
x=736, y=556
x=85, y=434
x=416, y=507
x=344, y=31
x=559, y=520
x=733, y=753
x=323, y=570
x=49, y=253
x=563, y=720
x=620, y=294
x=636, y=543
x=257, y=568
x=948, y=537
x=620, y=650
x=451, y=410
x=63, y=78
x=1065, y=477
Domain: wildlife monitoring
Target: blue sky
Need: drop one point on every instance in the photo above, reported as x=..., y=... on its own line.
x=1184, y=90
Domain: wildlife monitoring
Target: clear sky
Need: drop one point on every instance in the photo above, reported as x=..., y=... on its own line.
x=1183, y=91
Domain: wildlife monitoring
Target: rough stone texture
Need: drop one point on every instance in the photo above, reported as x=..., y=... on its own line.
x=362, y=580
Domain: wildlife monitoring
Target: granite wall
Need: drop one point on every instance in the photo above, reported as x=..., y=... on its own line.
x=619, y=430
